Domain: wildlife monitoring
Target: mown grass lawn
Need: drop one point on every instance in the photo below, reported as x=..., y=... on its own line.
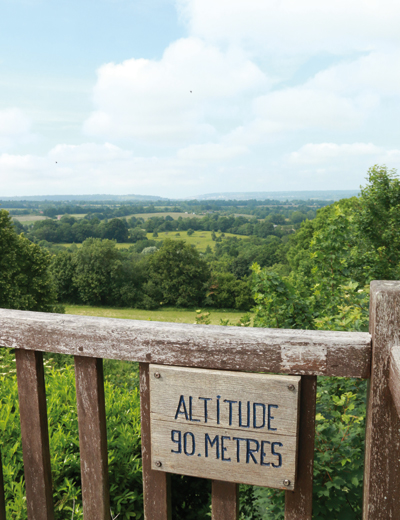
x=171, y=314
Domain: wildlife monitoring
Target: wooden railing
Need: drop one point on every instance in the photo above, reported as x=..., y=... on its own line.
x=372, y=356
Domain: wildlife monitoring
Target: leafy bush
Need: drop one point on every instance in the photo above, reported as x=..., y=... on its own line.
x=123, y=433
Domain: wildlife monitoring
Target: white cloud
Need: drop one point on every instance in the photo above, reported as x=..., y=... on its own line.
x=106, y=168
x=15, y=128
x=210, y=152
x=171, y=101
x=294, y=27
x=332, y=153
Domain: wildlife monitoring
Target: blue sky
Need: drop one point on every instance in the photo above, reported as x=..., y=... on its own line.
x=178, y=98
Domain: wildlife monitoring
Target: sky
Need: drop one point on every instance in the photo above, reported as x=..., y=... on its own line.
x=186, y=97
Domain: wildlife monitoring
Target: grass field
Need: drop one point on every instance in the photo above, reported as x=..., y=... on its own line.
x=119, y=246
x=173, y=214
x=168, y=314
x=200, y=239
x=29, y=219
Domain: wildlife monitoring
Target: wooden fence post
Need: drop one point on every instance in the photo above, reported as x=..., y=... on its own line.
x=298, y=503
x=382, y=443
x=92, y=437
x=34, y=434
x=156, y=489
x=2, y=501
x=224, y=500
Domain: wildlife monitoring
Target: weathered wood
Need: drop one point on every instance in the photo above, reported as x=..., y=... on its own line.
x=35, y=435
x=224, y=500
x=298, y=503
x=2, y=500
x=329, y=353
x=156, y=484
x=92, y=438
x=382, y=443
x=222, y=425
x=394, y=376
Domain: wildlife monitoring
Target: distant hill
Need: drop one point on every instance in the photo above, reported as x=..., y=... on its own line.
x=250, y=195
x=88, y=198
x=281, y=195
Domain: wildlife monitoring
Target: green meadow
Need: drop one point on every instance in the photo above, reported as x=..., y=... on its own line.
x=200, y=239
x=171, y=314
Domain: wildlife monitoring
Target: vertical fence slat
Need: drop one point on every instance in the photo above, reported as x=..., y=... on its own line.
x=382, y=442
x=35, y=434
x=298, y=503
x=2, y=500
x=224, y=500
x=156, y=492
x=92, y=437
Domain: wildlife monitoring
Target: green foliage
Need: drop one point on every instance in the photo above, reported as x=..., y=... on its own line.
x=227, y=292
x=277, y=304
x=98, y=271
x=123, y=435
x=202, y=318
x=179, y=273
x=378, y=220
x=339, y=449
x=25, y=279
x=116, y=230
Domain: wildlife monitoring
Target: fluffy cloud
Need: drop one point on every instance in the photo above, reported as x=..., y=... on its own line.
x=332, y=154
x=293, y=27
x=174, y=100
x=15, y=128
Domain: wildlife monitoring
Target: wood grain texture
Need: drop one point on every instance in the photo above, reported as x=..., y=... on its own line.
x=156, y=484
x=224, y=500
x=2, y=500
x=92, y=438
x=298, y=503
x=329, y=353
x=231, y=426
x=394, y=376
x=34, y=434
x=382, y=443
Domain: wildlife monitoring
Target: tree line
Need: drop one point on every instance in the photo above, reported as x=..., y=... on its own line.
x=70, y=229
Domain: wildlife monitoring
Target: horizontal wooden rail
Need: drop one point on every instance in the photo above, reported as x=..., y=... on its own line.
x=394, y=376
x=301, y=352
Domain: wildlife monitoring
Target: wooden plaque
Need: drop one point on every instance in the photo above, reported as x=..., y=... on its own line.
x=230, y=426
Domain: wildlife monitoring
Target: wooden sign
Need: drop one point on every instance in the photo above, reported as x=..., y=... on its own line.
x=230, y=426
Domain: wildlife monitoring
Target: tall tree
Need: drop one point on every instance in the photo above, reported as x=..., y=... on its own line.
x=180, y=273
x=25, y=279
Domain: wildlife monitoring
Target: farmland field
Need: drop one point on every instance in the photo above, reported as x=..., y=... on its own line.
x=119, y=246
x=171, y=314
x=29, y=219
x=200, y=239
x=173, y=214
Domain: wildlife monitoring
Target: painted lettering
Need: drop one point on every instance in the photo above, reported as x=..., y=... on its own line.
x=178, y=440
x=208, y=441
x=181, y=404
